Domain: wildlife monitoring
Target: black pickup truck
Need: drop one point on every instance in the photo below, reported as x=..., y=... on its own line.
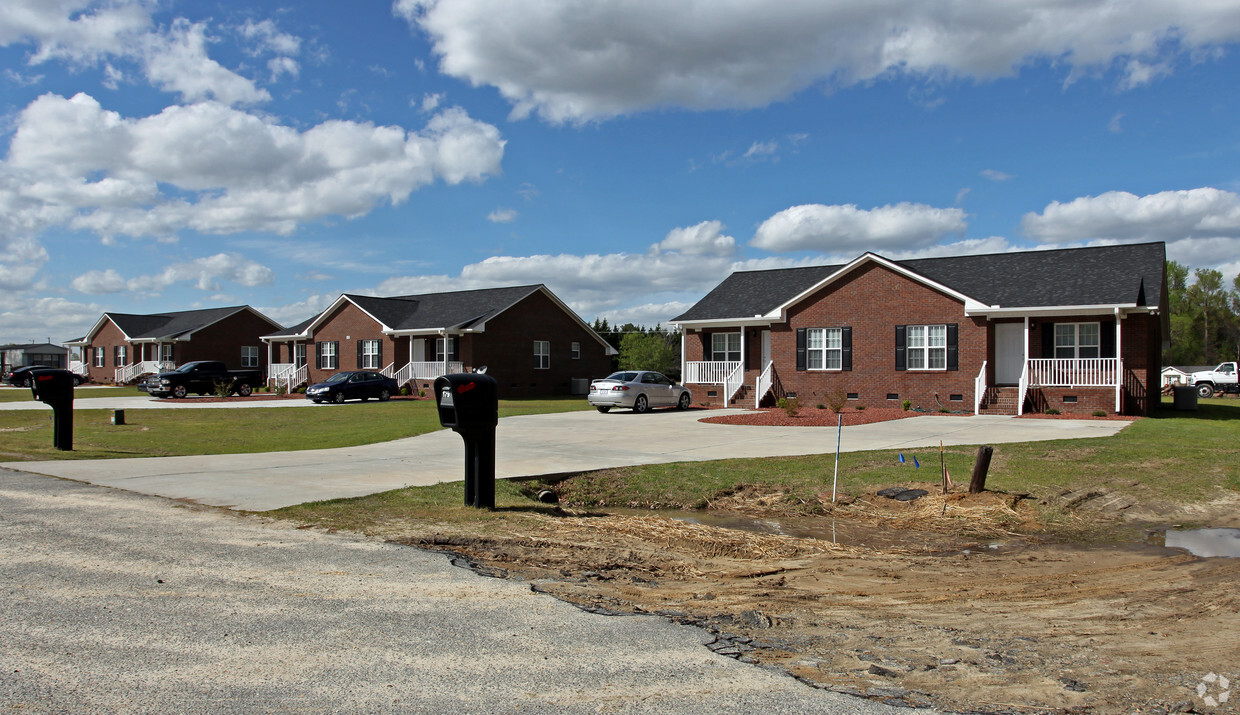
x=201, y=377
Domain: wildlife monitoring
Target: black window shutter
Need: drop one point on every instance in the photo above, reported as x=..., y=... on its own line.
x=380, y=354
x=359, y=355
x=801, y=349
x=454, y=354
x=318, y=355
x=537, y=357
x=901, y=345
x=953, y=349
x=846, y=349
x=1048, y=340
x=1106, y=339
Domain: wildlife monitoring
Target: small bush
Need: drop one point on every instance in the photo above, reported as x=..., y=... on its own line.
x=821, y=406
x=1052, y=411
x=907, y=405
x=945, y=410
x=1099, y=413
x=223, y=388
x=281, y=390
x=860, y=407
x=837, y=399
x=421, y=393
x=790, y=406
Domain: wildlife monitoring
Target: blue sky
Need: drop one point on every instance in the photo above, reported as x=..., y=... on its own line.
x=160, y=156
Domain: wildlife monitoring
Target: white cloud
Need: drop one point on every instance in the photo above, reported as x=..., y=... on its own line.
x=73, y=163
x=205, y=273
x=177, y=62
x=283, y=66
x=431, y=102
x=1166, y=216
x=24, y=318
x=569, y=61
x=848, y=229
x=268, y=38
x=502, y=216
x=704, y=239
x=77, y=30
x=1114, y=126
x=995, y=175
x=648, y=314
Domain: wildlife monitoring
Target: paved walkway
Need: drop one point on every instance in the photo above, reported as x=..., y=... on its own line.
x=529, y=446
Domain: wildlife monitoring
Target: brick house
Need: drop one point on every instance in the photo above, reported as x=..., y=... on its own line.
x=1077, y=330
x=529, y=341
x=121, y=347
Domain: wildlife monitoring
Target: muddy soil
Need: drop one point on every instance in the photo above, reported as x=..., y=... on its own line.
x=932, y=602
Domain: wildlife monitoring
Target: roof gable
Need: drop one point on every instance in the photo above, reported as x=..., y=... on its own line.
x=1127, y=275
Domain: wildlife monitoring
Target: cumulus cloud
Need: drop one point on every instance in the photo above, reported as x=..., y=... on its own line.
x=24, y=318
x=704, y=239
x=569, y=61
x=76, y=30
x=215, y=169
x=848, y=229
x=177, y=61
x=502, y=216
x=268, y=38
x=205, y=274
x=995, y=175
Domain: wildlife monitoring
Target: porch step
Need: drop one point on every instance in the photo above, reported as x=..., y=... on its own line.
x=999, y=401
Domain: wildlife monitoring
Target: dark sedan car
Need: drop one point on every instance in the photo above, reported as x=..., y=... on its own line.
x=21, y=376
x=354, y=385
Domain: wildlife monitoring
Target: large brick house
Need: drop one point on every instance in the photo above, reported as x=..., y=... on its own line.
x=122, y=347
x=529, y=341
x=1077, y=330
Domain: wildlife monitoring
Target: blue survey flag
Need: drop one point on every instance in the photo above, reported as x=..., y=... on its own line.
x=915, y=464
x=902, y=458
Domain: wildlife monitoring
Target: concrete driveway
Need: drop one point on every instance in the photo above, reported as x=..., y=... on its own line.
x=530, y=445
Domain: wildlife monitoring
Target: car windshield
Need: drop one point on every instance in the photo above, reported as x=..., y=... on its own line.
x=338, y=377
x=622, y=376
x=187, y=367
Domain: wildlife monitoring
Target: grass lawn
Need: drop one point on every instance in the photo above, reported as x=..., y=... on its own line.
x=22, y=394
x=1177, y=456
x=27, y=435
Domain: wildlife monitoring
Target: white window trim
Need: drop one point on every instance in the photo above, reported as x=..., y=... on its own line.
x=727, y=351
x=121, y=354
x=100, y=357
x=824, y=351
x=370, y=359
x=542, y=351
x=925, y=348
x=439, y=348
x=329, y=356
x=1076, y=341
x=576, y=351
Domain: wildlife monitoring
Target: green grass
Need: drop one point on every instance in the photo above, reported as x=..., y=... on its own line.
x=22, y=394
x=1178, y=456
x=27, y=434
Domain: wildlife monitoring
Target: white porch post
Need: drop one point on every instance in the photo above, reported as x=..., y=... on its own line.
x=743, y=353
x=683, y=365
x=1119, y=363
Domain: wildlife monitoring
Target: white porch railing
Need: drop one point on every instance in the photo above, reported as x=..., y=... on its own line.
x=129, y=373
x=732, y=383
x=287, y=375
x=77, y=367
x=1074, y=372
x=710, y=372
x=979, y=389
x=426, y=371
x=763, y=383
x=1022, y=388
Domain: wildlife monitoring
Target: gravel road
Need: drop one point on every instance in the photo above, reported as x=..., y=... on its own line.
x=116, y=602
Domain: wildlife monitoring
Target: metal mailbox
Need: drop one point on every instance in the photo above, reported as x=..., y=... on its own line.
x=469, y=404
x=55, y=388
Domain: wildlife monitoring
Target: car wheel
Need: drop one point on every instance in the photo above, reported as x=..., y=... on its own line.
x=1206, y=390
x=317, y=402
x=25, y=382
x=641, y=404
x=179, y=392
x=77, y=380
x=683, y=404
x=384, y=395
x=603, y=408
x=245, y=390
x=338, y=398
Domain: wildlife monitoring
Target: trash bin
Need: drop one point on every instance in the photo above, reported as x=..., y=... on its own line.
x=118, y=417
x=1184, y=397
x=469, y=404
x=55, y=388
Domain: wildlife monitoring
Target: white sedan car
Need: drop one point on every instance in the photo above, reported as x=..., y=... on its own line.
x=638, y=389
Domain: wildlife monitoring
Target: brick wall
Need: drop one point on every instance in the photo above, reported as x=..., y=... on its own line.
x=223, y=341
x=346, y=325
x=108, y=337
x=873, y=300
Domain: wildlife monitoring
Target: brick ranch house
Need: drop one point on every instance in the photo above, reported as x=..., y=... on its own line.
x=1077, y=330
x=529, y=340
x=122, y=347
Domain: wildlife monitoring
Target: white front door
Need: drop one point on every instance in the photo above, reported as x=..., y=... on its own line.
x=1009, y=352
x=766, y=348
x=419, y=350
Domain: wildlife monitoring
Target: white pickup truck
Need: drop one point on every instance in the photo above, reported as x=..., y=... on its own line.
x=1220, y=379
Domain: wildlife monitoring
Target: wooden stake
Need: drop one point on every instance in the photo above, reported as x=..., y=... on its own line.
x=980, y=468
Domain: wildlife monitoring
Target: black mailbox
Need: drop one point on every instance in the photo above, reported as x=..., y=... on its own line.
x=469, y=404
x=55, y=388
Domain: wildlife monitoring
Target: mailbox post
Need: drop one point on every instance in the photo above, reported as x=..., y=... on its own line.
x=469, y=404
x=55, y=387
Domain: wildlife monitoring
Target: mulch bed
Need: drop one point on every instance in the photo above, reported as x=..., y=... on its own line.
x=1042, y=416
x=256, y=397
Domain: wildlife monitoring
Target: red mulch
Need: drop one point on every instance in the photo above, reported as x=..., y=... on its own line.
x=1041, y=416
x=256, y=397
x=775, y=417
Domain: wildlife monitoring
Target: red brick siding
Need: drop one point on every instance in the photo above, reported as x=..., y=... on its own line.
x=223, y=341
x=346, y=325
x=873, y=300
x=108, y=337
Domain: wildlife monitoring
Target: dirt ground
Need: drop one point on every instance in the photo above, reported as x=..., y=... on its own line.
x=929, y=602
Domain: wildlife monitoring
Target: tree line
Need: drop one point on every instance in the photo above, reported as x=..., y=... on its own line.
x=642, y=348
x=1205, y=316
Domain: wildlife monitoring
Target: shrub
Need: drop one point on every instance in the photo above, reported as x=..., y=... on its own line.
x=907, y=405
x=421, y=393
x=223, y=388
x=1099, y=413
x=281, y=390
x=790, y=406
x=1051, y=411
x=837, y=399
x=945, y=410
x=860, y=407
x=821, y=406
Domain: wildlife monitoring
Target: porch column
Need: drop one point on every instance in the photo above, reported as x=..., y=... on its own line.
x=683, y=365
x=743, y=353
x=1024, y=370
x=1119, y=363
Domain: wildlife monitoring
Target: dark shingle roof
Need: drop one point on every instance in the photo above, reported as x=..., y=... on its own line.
x=457, y=309
x=1103, y=275
x=169, y=326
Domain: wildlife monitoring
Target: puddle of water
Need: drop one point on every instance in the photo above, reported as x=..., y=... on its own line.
x=1205, y=542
